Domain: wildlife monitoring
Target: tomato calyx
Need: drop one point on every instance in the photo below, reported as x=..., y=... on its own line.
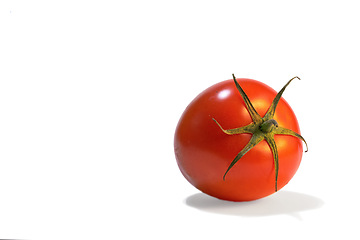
x=262, y=128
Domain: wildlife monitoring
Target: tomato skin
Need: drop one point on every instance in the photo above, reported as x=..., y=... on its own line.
x=203, y=152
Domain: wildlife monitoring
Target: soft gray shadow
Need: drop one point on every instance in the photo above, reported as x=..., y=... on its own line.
x=283, y=202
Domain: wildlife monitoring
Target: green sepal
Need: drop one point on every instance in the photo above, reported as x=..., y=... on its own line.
x=271, y=141
x=285, y=131
x=255, y=139
x=246, y=129
x=253, y=113
x=271, y=111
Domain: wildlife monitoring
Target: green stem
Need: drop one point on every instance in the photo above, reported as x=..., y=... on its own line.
x=268, y=125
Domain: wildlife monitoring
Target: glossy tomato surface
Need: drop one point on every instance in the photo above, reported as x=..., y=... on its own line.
x=204, y=153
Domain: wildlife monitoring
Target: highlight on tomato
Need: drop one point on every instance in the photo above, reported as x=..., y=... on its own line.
x=239, y=140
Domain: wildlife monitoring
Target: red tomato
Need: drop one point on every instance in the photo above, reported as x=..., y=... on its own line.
x=204, y=152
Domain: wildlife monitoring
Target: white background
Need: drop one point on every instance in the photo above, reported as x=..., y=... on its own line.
x=91, y=92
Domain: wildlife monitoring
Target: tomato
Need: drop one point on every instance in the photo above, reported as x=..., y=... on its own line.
x=225, y=119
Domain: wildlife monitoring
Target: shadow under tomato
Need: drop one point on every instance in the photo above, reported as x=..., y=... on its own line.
x=283, y=202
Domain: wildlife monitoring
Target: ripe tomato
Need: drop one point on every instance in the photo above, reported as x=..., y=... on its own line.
x=204, y=152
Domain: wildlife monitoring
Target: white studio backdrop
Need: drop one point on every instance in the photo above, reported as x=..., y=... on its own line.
x=91, y=92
